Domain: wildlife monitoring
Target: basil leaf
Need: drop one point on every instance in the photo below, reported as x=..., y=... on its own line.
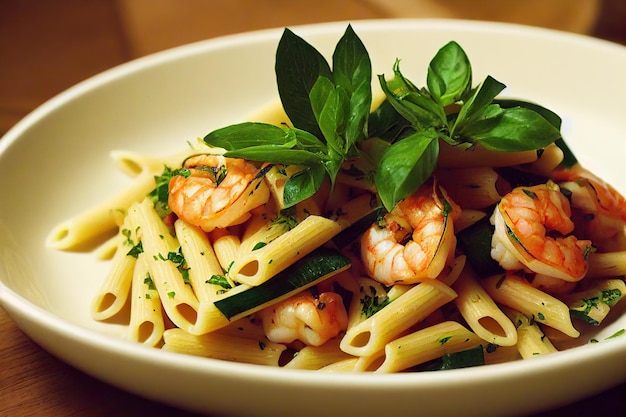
x=518, y=129
x=419, y=111
x=547, y=114
x=352, y=70
x=405, y=166
x=478, y=102
x=569, y=159
x=449, y=74
x=247, y=134
x=268, y=143
x=303, y=185
x=490, y=118
x=298, y=66
x=331, y=106
x=277, y=155
x=387, y=124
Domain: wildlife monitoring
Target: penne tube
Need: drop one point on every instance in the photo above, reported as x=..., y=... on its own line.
x=354, y=210
x=135, y=164
x=226, y=248
x=427, y=344
x=531, y=339
x=223, y=346
x=481, y=313
x=549, y=160
x=317, y=357
x=607, y=264
x=470, y=188
x=113, y=293
x=162, y=250
x=146, y=319
x=260, y=265
x=248, y=327
x=345, y=365
x=106, y=251
x=371, y=296
x=201, y=260
x=371, y=335
x=451, y=273
x=517, y=294
x=93, y=224
x=500, y=354
x=593, y=302
x=276, y=178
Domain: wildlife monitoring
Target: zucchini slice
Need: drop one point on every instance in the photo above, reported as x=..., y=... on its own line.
x=317, y=266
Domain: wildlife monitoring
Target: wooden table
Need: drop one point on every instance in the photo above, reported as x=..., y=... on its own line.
x=46, y=47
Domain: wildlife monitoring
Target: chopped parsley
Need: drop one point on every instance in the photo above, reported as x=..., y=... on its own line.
x=372, y=304
x=616, y=334
x=259, y=245
x=159, y=195
x=178, y=259
x=148, y=281
x=584, y=309
x=135, y=250
x=220, y=280
x=286, y=218
x=444, y=340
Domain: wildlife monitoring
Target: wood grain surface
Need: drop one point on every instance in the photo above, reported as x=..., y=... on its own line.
x=47, y=46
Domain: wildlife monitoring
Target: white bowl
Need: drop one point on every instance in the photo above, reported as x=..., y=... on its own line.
x=55, y=163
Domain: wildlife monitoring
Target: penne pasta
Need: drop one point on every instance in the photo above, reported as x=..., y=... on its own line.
x=531, y=339
x=593, y=302
x=335, y=245
x=113, y=293
x=427, y=344
x=226, y=248
x=470, y=188
x=318, y=357
x=371, y=335
x=517, y=294
x=201, y=260
x=607, y=264
x=224, y=347
x=162, y=252
x=100, y=221
x=481, y=313
x=146, y=319
x=260, y=265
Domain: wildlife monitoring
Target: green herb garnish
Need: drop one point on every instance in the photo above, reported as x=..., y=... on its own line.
x=329, y=107
x=159, y=195
x=219, y=280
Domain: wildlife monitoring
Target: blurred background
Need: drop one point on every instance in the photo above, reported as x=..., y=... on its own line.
x=47, y=46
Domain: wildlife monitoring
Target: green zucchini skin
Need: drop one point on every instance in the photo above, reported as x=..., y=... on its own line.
x=463, y=359
x=308, y=271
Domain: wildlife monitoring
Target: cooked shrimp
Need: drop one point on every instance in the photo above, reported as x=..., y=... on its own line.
x=207, y=197
x=414, y=241
x=599, y=211
x=307, y=318
x=532, y=230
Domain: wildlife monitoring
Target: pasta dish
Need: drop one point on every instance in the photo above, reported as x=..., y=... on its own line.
x=424, y=228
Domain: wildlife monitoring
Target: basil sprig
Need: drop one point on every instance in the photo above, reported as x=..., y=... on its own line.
x=329, y=110
x=479, y=120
